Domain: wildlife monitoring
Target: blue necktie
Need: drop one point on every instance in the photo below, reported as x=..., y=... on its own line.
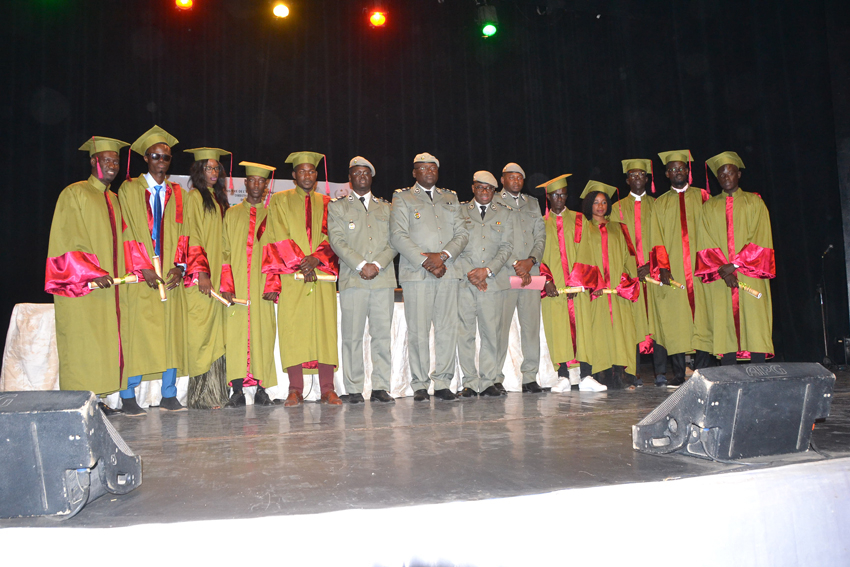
x=157, y=222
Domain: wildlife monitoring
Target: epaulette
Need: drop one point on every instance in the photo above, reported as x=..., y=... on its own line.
x=466, y=202
x=335, y=199
x=380, y=200
x=450, y=191
x=508, y=207
x=403, y=189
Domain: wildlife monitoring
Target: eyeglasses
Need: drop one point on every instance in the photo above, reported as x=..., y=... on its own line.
x=160, y=157
x=677, y=169
x=427, y=168
x=209, y=169
x=360, y=173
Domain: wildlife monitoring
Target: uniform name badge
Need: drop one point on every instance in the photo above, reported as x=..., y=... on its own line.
x=351, y=226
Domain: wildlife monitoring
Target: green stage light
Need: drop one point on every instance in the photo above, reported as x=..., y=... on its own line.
x=487, y=18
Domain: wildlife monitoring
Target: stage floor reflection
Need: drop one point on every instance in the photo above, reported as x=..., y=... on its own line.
x=261, y=461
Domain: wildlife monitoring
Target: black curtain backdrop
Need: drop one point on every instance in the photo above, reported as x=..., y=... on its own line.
x=576, y=90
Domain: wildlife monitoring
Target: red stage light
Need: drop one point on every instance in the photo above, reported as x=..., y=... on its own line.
x=183, y=4
x=378, y=19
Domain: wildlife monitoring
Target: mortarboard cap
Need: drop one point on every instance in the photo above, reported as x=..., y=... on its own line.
x=155, y=135
x=361, y=161
x=485, y=177
x=513, y=168
x=642, y=164
x=203, y=154
x=259, y=169
x=598, y=186
x=722, y=159
x=97, y=144
x=676, y=155
x=297, y=158
x=554, y=184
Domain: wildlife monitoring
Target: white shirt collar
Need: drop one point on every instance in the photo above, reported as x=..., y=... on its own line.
x=151, y=181
x=367, y=197
x=431, y=189
x=636, y=196
x=682, y=190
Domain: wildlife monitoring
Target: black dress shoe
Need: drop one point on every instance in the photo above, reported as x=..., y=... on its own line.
x=445, y=394
x=532, y=387
x=237, y=400
x=381, y=396
x=131, y=407
x=675, y=382
x=107, y=411
x=421, y=395
x=261, y=398
x=499, y=386
x=491, y=391
x=355, y=398
x=467, y=393
x=171, y=404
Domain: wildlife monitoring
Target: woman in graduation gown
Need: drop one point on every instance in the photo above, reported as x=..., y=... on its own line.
x=205, y=208
x=612, y=336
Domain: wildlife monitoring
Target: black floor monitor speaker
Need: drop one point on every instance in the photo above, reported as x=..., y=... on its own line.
x=58, y=452
x=739, y=412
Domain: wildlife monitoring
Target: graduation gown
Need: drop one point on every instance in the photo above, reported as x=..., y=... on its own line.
x=676, y=307
x=736, y=229
x=612, y=340
x=205, y=330
x=156, y=335
x=86, y=243
x=567, y=322
x=250, y=330
x=306, y=311
x=640, y=222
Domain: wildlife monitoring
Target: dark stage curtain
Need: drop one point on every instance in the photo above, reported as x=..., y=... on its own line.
x=573, y=91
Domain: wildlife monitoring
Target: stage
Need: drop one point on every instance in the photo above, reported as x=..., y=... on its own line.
x=520, y=480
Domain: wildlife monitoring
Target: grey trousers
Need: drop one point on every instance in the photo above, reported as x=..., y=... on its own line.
x=426, y=303
x=356, y=306
x=481, y=309
x=527, y=305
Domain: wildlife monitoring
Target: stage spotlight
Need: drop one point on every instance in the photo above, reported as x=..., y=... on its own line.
x=183, y=4
x=280, y=10
x=377, y=19
x=487, y=19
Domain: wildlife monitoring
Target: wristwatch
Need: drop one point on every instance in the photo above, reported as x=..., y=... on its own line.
x=444, y=256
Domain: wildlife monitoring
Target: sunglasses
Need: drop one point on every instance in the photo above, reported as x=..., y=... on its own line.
x=157, y=157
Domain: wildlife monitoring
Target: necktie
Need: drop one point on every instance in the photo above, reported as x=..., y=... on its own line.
x=430, y=196
x=363, y=200
x=157, y=222
x=483, y=210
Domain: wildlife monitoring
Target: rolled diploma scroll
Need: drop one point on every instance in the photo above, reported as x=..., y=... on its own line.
x=673, y=283
x=128, y=279
x=571, y=289
x=748, y=289
x=320, y=276
x=226, y=303
x=157, y=267
x=219, y=298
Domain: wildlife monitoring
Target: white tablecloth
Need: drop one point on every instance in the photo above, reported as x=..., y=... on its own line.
x=30, y=361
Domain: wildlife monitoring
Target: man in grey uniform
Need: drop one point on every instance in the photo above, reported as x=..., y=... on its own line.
x=481, y=298
x=528, y=245
x=429, y=233
x=359, y=232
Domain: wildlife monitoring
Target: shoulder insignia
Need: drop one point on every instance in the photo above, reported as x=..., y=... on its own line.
x=471, y=205
x=402, y=190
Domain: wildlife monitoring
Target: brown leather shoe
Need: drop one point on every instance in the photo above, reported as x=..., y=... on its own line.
x=293, y=399
x=331, y=398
